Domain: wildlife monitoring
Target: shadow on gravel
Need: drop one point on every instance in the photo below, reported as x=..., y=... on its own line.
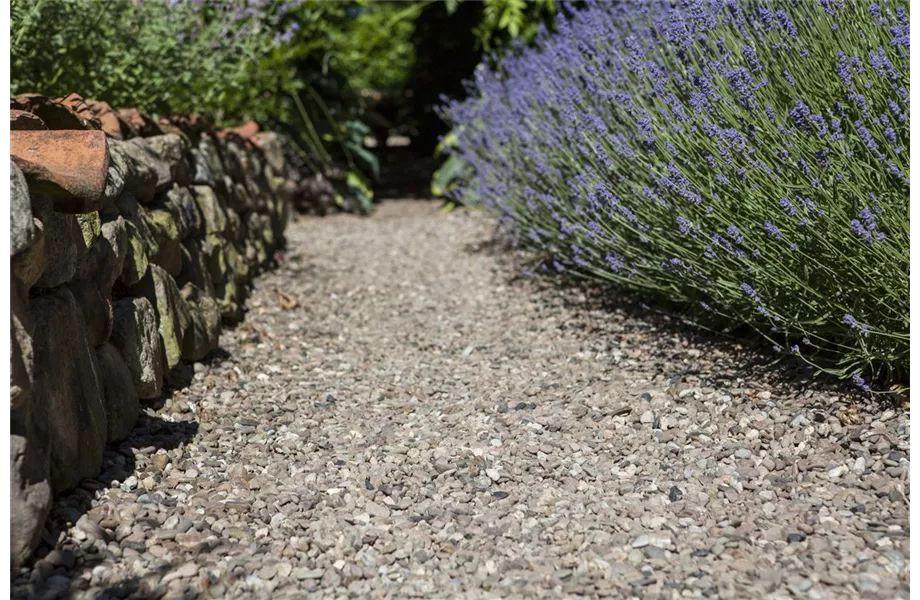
x=60, y=559
x=750, y=352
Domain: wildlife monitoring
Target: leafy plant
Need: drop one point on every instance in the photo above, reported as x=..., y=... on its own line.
x=504, y=20
x=270, y=60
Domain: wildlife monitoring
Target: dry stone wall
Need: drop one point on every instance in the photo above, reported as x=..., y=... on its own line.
x=132, y=242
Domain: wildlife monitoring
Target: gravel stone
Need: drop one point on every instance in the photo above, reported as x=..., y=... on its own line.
x=346, y=445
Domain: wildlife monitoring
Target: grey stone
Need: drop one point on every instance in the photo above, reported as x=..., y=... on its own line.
x=64, y=246
x=30, y=497
x=30, y=264
x=173, y=316
x=141, y=242
x=201, y=169
x=195, y=261
x=203, y=332
x=210, y=153
x=179, y=202
x=173, y=149
x=167, y=237
x=139, y=166
x=21, y=224
x=119, y=173
x=273, y=151
x=66, y=408
x=214, y=215
x=233, y=154
x=147, y=173
x=238, y=197
x=92, y=286
x=21, y=352
x=137, y=339
x=121, y=402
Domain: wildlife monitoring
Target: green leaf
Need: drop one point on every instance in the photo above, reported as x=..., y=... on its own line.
x=448, y=175
x=359, y=188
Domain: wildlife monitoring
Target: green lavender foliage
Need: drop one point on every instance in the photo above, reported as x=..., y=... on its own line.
x=747, y=160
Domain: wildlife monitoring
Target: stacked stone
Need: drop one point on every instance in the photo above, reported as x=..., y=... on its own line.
x=132, y=241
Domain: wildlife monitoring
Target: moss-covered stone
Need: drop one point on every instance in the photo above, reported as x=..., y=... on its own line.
x=172, y=311
x=141, y=242
x=90, y=226
x=212, y=210
x=165, y=232
x=136, y=261
x=236, y=264
x=217, y=259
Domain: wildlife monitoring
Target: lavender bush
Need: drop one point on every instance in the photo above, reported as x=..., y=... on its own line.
x=747, y=159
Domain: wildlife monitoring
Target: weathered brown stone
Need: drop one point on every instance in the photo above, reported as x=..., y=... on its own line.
x=80, y=108
x=54, y=114
x=189, y=126
x=143, y=125
x=245, y=131
x=69, y=166
x=21, y=120
x=109, y=121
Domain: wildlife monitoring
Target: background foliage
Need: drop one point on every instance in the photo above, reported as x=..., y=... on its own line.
x=328, y=73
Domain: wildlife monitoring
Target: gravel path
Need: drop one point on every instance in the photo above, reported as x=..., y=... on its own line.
x=400, y=416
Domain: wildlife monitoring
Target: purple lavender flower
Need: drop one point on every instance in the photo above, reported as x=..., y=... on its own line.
x=861, y=383
x=786, y=22
x=787, y=206
x=615, y=262
x=851, y=321
x=741, y=80
x=735, y=234
x=773, y=230
x=831, y=6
